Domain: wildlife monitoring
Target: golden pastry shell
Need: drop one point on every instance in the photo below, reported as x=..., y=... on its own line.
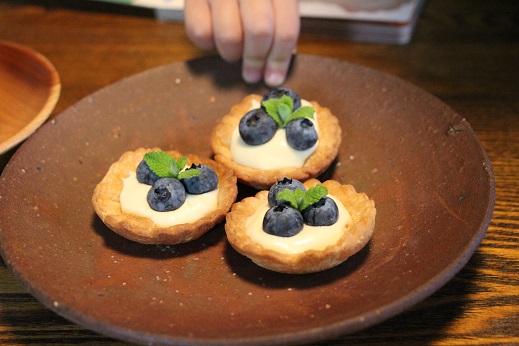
x=141, y=229
x=356, y=235
x=317, y=163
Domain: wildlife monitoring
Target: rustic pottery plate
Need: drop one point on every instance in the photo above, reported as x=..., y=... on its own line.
x=29, y=90
x=422, y=164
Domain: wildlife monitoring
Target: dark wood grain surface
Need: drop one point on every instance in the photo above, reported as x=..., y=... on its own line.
x=464, y=52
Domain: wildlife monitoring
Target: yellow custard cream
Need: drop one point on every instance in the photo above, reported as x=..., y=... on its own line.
x=276, y=153
x=133, y=200
x=310, y=238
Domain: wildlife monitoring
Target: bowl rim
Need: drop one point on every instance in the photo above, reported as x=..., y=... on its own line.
x=47, y=108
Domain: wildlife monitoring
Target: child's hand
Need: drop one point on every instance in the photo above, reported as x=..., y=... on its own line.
x=263, y=33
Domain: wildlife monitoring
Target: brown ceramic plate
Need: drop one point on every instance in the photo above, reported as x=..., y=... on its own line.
x=421, y=162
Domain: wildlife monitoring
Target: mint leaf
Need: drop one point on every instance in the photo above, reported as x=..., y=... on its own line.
x=299, y=195
x=302, y=112
x=271, y=106
x=165, y=166
x=313, y=195
x=284, y=112
x=188, y=173
x=289, y=196
x=287, y=100
x=281, y=110
x=174, y=168
x=160, y=163
x=181, y=162
x=300, y=199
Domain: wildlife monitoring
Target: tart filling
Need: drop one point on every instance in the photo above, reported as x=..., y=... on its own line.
x=309, y=238
x=133, y=200
x=261, y=157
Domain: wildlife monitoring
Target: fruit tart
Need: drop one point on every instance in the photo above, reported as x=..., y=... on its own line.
x=265, y=138
x=301, y=228
x=156, y=197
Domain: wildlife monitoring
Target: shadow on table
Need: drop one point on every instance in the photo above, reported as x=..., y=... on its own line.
x=5, y=157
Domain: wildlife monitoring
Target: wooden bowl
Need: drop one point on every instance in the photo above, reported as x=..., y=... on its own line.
x=29, y=90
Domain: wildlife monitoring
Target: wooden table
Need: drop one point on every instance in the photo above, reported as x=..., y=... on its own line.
x=464, y=52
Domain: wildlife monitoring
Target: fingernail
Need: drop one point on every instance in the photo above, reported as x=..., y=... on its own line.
x=274, y=78
x=251, y=75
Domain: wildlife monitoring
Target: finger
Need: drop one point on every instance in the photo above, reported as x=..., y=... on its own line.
x=287, y=24
x=227, y=29
x=198, y=23
x=258, y=32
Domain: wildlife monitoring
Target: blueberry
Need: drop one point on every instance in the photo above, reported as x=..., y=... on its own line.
x=279, y=92
x=145, y=175
x=257, y=127
x=281, y=185
x=283, y=221
x=166, y=194
x=301, y=134
x=322, y=213
x=205, y=182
